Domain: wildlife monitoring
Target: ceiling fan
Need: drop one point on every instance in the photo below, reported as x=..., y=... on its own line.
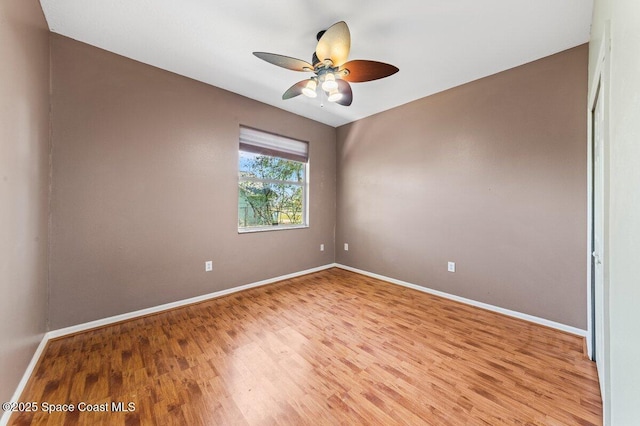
x=329, y=64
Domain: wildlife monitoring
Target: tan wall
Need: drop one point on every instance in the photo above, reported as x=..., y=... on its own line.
x=24, y=186
x=145, y=188
x=491, y=175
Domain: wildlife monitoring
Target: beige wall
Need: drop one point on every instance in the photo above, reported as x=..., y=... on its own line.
x=145, y=188
x=24, y=186
x=623, y=223
x=491, y=175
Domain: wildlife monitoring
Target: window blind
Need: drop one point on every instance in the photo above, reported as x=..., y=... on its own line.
x=259, y=142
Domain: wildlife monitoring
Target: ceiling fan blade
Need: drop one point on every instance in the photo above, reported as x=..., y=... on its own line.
x=295, y=90
x=360, y=70
x=285, y=61
x=335, y=44
x=347, y=95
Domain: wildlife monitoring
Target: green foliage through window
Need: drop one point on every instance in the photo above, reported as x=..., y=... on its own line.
x=270, y=191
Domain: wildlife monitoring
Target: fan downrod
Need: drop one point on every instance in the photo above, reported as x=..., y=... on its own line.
x=314, y=58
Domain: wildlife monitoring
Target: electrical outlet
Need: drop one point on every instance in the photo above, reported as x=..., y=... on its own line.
x=346, y=247
x=208, y=266
x=321, y=247
x=451, y=266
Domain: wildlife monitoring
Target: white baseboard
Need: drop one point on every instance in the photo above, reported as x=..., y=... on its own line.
x=508, y=312
x=156, y=309
x=153, y=310
x=25, y=378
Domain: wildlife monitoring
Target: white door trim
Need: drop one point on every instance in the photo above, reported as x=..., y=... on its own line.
x=599, y=89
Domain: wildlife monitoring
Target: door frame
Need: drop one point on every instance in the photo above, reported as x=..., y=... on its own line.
x=599, y=89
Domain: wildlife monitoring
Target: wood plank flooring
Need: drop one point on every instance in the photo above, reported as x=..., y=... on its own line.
x=332, y=347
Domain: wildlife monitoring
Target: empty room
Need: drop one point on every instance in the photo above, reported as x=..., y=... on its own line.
x=301, y=212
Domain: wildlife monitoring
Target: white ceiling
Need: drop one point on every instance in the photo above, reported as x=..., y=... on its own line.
x=437, y=44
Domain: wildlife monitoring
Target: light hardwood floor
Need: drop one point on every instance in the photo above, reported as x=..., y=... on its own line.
x=332, y=347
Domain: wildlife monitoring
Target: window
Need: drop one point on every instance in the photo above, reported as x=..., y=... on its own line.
x=272, y=181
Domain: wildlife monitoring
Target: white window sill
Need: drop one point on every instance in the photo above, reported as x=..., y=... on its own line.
x=270, y=228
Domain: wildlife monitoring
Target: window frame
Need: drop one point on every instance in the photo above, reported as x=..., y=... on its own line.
x=272, y=139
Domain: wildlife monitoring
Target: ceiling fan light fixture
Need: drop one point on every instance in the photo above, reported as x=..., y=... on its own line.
x=329, y=64
x=334, y=95
x=329, y=83
x=310, y=89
